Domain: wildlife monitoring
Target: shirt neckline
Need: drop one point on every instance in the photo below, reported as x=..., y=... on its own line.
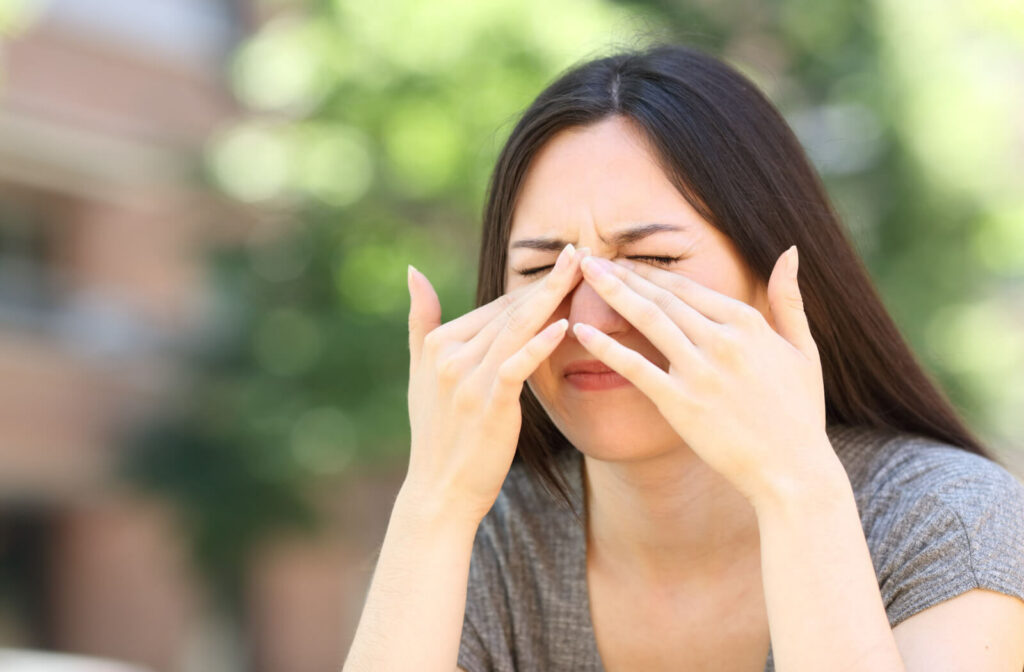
x=839, y=436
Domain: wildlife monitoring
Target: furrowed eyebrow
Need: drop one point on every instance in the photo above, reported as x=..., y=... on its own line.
x=623, y=237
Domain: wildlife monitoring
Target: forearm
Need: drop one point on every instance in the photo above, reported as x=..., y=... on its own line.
x=412, y=618
x=825, y=611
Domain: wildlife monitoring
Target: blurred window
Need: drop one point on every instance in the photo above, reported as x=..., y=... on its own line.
x=28, y=274
x=201, y=31
x=25, y=534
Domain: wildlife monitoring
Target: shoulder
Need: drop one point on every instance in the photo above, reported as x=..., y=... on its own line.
x=915, y=478
x=939, y=521
x=888, y=468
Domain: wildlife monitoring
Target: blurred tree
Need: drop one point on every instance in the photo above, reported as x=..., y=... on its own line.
x=373, y=131
x=15, y=17
x=368, y=148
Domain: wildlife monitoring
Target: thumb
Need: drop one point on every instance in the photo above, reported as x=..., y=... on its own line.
x=787, y=304
x=424, y=313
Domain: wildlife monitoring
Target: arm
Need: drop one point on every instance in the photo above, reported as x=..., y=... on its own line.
x=980, y=630
x=412, y=619
x=825, y=610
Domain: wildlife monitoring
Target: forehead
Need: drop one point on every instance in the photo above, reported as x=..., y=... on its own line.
x=602, y=176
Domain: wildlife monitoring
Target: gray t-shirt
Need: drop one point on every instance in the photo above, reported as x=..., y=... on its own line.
x=938, y=521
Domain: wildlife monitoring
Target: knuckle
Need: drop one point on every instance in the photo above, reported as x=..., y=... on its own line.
x=450, y=370
x=747, y=316
x=506, y=379
x=725, y=345
x=649, y=312
x=505, y=301
x=512, y=317
x=664, y=300
x=613, y=287
x=432, y=342
x=680, y=285
x=505, y=375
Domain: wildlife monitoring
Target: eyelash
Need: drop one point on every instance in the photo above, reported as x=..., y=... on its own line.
x=663, y=261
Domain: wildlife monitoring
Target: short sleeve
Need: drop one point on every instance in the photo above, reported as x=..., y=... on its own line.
x=955, y=524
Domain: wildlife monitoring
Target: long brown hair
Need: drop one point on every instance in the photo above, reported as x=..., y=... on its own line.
x=735, y=159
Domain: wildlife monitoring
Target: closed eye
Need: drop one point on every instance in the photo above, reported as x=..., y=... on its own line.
x=661, y=261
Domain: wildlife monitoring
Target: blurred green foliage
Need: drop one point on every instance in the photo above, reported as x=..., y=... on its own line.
x=373, y=130
x=15, y=17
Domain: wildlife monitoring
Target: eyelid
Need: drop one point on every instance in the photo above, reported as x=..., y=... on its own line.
x=661, y=260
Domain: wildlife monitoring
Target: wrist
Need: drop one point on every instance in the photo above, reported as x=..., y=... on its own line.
x=430, y=510
x=820, y=483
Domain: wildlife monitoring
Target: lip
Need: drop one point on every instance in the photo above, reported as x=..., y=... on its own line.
x=591, y=374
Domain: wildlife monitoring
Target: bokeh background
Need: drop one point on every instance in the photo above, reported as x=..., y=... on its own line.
x=206, y=212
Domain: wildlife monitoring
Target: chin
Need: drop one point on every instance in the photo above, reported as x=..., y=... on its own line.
x=619, y=436
x=620, y=424
x=612, y=449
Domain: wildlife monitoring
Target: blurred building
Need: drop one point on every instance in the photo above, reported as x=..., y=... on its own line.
x=104, y=108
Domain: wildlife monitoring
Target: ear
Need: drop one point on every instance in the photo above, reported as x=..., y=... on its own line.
x=787, y=304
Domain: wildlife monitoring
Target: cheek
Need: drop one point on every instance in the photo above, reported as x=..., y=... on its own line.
x=543, y=378
x=544, y=385
x=724, y=280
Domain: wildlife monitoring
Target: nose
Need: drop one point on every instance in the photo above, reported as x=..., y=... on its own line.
x=586, y=305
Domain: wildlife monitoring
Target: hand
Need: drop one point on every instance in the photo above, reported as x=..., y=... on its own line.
x=465, y=378
x=747, y=400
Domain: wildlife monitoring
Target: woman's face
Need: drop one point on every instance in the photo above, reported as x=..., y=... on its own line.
x=584, y=187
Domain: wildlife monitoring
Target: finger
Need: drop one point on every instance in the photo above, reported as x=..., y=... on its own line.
x=628, y=363
x=467, y=357
x=518, y=324
x=787, y=305
x=714, y=305
x=481, y=341
x=424, y=313
x=697, y=327
x=466, y=326
x=643, y=313
x=477, y=347
x=513, y=372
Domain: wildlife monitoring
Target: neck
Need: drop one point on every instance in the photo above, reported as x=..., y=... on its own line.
x=665, y=520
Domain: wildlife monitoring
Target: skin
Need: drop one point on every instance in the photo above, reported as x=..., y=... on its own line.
x=657, y=514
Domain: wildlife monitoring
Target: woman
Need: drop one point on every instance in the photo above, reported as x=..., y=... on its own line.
x=756, y=469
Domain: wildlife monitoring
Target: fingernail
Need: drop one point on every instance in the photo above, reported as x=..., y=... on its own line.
x=408, y=281
x=794, y=261
x=564, y=256
x=582, y=252
x=584, y=332
x=556, y=329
